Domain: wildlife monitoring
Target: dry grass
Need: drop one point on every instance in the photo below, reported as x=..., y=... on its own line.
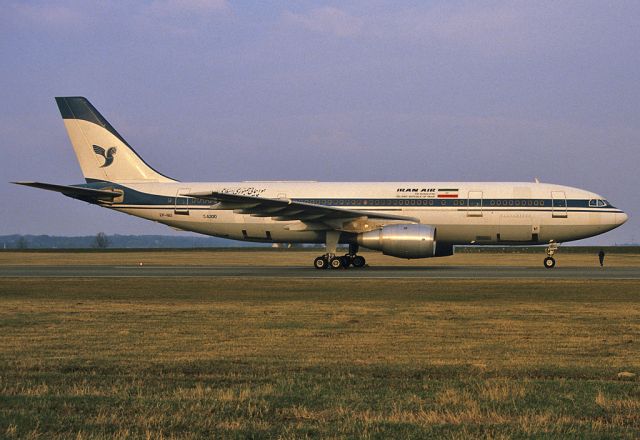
x=295, y=358
x=465, y=322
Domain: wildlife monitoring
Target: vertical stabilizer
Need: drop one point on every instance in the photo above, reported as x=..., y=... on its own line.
x=102, y=153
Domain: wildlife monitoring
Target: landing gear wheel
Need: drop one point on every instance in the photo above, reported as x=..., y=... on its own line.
x=320, y=263
x=345, y=261
x=335, y=263
x=549, y=262
x=358, y=261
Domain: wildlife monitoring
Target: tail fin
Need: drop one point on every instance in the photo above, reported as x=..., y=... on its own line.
x=102, y=153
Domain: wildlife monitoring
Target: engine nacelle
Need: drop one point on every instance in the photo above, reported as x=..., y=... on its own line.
x=404, y=241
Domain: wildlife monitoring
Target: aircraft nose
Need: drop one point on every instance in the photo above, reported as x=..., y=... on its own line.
x=621, y=218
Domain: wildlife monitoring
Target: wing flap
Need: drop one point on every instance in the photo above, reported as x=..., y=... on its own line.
x=289, y=210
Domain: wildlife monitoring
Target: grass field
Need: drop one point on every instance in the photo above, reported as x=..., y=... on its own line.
x=295, y=358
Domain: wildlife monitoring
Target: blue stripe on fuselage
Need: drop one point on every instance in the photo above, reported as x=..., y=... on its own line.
x=138, y=198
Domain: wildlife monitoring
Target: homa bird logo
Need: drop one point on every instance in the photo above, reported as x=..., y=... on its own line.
x=108, y=154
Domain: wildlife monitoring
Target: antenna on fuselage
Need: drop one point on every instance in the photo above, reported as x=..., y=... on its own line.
x=536, y=180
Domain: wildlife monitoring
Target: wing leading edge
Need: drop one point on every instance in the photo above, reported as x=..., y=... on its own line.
x=317, y=217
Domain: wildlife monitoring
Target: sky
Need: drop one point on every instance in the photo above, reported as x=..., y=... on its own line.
x=221, y=90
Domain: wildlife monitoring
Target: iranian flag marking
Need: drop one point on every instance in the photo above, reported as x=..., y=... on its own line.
x=448, y=193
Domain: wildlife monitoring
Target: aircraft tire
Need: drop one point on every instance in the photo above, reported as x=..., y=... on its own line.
x=335, y=263
x=358, y=261
x=320, y=263
x=346, y=261
x=549, y=262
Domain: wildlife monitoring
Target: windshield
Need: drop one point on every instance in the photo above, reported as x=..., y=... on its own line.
x=598, y=203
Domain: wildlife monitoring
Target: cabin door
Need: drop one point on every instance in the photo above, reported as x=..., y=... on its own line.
x=474, y=204
x=558, y=204
x=182, y=202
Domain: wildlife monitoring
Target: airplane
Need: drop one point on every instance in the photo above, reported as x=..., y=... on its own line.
x=400, y=219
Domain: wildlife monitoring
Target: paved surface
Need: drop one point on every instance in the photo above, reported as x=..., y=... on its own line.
x=389, y=272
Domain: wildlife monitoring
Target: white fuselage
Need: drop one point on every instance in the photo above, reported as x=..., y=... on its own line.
x=462, y=212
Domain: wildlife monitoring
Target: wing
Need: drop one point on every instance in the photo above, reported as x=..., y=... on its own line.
x=313, y=217
x=99, y=150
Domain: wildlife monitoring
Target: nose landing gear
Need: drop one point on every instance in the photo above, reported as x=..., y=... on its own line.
x=550, y=262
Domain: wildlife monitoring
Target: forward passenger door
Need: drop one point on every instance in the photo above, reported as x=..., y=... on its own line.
x=558, y=204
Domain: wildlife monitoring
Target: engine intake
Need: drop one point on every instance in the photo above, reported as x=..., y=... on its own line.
x=404, y=241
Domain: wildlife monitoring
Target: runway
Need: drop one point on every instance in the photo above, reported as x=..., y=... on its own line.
x=380, y=272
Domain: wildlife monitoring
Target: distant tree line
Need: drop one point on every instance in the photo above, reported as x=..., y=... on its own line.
x=103, y=241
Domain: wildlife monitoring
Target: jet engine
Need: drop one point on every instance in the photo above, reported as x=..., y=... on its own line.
x=404, y=241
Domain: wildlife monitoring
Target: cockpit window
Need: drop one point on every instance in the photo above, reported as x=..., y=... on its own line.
x=597, y=203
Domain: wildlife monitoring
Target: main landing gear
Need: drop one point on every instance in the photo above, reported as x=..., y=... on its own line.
x=338, y=262
x=330, y=259
x=550, y=262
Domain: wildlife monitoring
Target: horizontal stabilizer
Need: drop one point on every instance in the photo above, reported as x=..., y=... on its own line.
x=74, y=191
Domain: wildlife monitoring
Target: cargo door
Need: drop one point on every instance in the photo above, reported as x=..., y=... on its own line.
x=515, y=227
